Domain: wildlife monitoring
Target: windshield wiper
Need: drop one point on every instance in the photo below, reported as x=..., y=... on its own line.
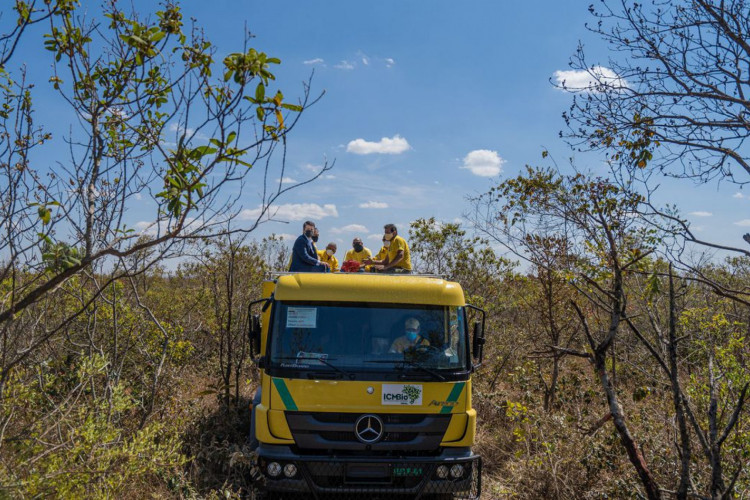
x=409, y=362
x=322, y=360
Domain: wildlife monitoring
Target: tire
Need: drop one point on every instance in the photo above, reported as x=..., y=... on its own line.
x=259, y=494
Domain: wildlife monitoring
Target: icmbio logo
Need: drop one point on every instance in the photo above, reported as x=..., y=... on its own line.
x=402, y=394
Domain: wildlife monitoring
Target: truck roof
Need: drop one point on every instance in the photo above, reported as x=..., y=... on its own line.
x=359, y=287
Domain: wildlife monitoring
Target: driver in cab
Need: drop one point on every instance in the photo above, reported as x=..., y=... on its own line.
x=411, y=338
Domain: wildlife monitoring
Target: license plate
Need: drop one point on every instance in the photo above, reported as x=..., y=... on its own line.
x=367, y=474
x=407, y=471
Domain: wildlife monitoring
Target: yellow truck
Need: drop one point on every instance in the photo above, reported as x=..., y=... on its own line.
x=365, y=387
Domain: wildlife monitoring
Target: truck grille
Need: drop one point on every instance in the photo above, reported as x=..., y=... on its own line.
x=335, y=431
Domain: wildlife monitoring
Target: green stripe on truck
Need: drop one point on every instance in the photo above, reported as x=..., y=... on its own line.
x=453, y=396
x=283, y=391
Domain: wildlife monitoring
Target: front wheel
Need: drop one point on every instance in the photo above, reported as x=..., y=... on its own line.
x=265, y=495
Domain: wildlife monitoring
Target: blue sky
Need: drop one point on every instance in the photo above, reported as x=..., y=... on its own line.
x=426, y=103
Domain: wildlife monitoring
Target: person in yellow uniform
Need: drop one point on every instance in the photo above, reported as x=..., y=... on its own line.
x=328, y=257
x=382, y=253
x=398, y=259
x=358, y=252
x=411, y=338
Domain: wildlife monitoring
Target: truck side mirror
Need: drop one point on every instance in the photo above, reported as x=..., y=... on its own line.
x=254, y=334
x=254, y=326
x=477, y=344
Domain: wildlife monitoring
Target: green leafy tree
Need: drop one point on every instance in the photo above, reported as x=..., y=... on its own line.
x=24, y=15
x=152, y=121
x=679, y=84
x=594, y=217
x=156, y=120
x=443, y=248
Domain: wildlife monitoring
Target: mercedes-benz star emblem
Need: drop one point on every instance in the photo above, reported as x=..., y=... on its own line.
x=369, y=429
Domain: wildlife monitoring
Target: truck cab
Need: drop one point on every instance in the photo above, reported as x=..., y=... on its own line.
x=365, y=386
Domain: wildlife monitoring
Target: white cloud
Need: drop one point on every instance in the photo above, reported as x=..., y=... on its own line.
x=375, y=237
x=155, y=227
x=389, y=63
x=596, y=79
x=286, y=237
x=701, y=213
x=311, y=167
x=373, y=204
x=146, y=228
x=315, y=169
x=287, y=180
x=344, y=65
x=317, y=60
x=739, y=195
x=351, y=228
x=293, y=211
x=484, y=163
x=178, y=127
x=138, y=196
x=743, y=223
x=391, y=146
x=119, y=112
x=365, y=61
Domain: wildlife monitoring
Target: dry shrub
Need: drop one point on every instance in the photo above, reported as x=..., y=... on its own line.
x=216, y=443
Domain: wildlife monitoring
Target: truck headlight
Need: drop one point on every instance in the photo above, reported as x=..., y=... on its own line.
x=290, y=470
x=457, y=471
x=274, y=469
x=442, y=471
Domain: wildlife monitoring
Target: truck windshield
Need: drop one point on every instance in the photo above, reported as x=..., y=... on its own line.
x=421, y=341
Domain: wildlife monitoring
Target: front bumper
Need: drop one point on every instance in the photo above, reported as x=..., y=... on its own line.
x=331, y=476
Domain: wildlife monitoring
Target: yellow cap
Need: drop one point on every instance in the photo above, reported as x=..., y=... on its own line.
x=412, y=323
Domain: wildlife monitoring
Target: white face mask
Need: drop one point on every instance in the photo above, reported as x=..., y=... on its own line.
x=389, y=236
x=329, y=251
x=386, y=244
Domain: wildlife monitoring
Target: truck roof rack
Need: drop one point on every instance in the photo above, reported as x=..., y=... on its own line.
x=275, y=274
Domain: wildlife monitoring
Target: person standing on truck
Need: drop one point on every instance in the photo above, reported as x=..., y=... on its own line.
x=398, y=259
x=315, y=236
x=328, y=257
x=358, y=252
x=304, y=256
x=410, y=339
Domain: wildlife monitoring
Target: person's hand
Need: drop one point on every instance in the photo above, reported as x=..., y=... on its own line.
x=326, y=265
x=367, y=261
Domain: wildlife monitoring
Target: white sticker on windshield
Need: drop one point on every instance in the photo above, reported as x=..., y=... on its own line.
x=402, y=394
x=301, y=317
